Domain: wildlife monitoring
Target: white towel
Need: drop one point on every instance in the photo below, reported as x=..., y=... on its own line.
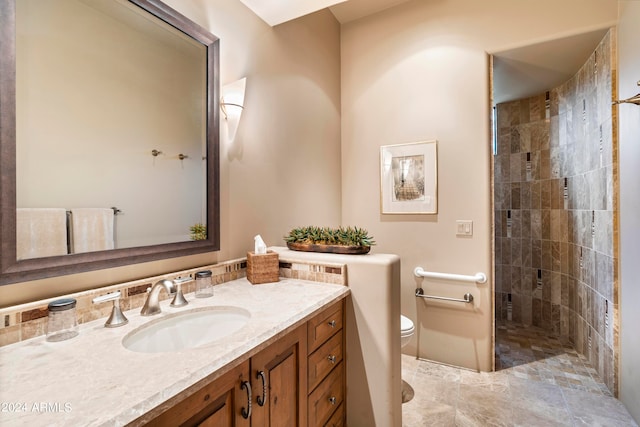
x=41, y=232
x=92, y=229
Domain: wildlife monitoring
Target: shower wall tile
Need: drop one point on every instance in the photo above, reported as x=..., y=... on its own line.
x=516, y=280
x=564, y=258
x=545, y=194
x=526, y=252
x=547, y=260
x=516, y=252
x=564, y=321
x=540, y=132
x=526, y=312
x=506, y=251
x=516, y=308
x=604, y=275
x=603, y=242
x=546, y=316
x=504, y=141
x=528, y=282
x=524, y=132
x=555, y=318
x=516, y=224
x=536, y=253
x=515, y=195
x=545, y=164
x=503, y=168
x=536, y=312
x=536, y=195
x=611, y=189
x=556, y=288
x=536, y=224
x=515, y=140
x=526, y=224
x=546, y=224
x=515, y=164
x=564, y=291
x=555, y=256
x=546, y=285
x=525, y=196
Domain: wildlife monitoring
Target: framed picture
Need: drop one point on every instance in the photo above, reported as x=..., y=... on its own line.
x=409, y=178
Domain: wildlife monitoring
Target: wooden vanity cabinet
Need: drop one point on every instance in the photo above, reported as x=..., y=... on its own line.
x=296, y=381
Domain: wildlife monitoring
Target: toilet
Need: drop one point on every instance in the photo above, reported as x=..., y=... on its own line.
x=406, y=330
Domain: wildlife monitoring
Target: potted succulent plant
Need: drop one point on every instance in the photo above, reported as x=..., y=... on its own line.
x=342, y=240
x=198, y=232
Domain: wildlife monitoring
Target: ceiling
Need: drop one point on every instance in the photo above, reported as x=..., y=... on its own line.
x=275, y=12
x=518, y=73
x=537, y=68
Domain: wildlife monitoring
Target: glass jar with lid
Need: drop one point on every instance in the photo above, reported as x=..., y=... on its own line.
x=204, y=286
x=62, y=322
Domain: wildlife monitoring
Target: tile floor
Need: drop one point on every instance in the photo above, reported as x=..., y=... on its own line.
x=539, y=381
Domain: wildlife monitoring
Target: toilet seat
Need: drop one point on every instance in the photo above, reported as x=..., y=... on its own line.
x=406, y=326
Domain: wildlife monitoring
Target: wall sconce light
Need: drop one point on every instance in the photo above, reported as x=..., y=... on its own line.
x=232, y=104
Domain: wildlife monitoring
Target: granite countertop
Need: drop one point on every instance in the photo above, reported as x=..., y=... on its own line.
x=92, y=380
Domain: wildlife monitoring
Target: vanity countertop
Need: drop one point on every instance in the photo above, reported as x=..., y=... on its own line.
x=92, y=380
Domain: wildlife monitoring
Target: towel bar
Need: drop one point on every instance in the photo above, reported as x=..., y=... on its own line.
x=467, y=299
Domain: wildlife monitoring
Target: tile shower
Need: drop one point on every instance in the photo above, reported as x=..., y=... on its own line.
x=556, y=212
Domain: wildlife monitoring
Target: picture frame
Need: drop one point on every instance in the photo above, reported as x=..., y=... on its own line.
x=409, y=178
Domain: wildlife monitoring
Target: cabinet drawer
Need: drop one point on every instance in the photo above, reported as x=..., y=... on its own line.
x=324, y=359
x=324, y=400
x=323, y=326
x=337, y=419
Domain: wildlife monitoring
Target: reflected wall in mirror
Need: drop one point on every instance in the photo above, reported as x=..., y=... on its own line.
x=90, y=91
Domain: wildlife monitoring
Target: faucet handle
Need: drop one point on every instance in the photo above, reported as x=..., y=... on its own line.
x=179, y=300
x=117, y=318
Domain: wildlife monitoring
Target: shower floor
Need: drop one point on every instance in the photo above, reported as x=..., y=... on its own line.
x=540, y=380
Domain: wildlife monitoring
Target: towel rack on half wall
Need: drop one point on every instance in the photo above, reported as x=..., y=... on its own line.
x=468, y=298
x=477, y=278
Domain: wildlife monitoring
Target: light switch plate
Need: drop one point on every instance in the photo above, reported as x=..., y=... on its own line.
x=464, y=228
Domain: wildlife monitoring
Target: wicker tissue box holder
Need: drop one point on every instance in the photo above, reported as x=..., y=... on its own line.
x=262, y=268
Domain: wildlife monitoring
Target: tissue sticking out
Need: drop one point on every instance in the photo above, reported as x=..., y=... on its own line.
x=260, y=246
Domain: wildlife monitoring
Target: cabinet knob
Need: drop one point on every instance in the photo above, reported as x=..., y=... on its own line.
x=332, y=400
x=331, y=358
x=332, y=323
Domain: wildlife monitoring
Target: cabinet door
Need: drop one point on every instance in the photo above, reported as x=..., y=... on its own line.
x=280, y=372
x=219, y=403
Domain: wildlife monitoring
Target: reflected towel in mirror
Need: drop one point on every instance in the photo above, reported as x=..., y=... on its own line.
x=41, y=232
x=91, y=229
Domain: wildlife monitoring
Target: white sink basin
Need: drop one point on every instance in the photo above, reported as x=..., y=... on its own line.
x=185, y=330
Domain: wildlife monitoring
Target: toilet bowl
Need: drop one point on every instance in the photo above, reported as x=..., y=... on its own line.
x=406, y=330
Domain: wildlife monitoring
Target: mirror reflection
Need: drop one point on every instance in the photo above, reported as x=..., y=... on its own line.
x=111, y=128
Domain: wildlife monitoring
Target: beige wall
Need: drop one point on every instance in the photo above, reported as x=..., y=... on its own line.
x=629, y=140
x=284, y=167
x=420, y=72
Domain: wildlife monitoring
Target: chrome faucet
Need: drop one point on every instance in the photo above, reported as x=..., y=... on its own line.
x=152, y=304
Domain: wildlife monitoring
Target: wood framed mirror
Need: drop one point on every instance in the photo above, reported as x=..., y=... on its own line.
x=133, y=127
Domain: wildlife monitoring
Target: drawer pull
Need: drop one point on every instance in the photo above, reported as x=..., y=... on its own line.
x=332, y=323
x=331, y=359
x=332, y=400
x=262, y=399
x=246, y=413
